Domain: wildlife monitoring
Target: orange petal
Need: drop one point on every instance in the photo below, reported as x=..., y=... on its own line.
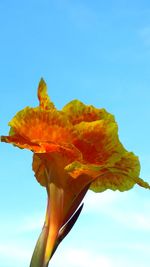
x=45, y=102
x=53, y=166
x=69, y=151
x=37, y=125
x=20, y=142
x=122, y=176
x=98, y=141
x=76, y=169
x=78, y=112
x=64, y=156
x=38, y=167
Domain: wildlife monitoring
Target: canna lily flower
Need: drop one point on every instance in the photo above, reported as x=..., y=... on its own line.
x=74, y=150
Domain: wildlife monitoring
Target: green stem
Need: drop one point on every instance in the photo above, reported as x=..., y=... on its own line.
x=46, y=242
x=37, y=259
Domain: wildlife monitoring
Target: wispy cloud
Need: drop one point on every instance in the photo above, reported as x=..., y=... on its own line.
x=20, y=226
x=95, y=202
x=133, y=220
x=31, y=223
x=18, y=238
x=76, y=257
x=20, y=244
x=14, y=254
x=121, y=207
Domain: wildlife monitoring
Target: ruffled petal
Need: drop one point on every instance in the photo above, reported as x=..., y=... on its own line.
x=78, y=112
x=98, y=141
x=86, y=137
x=20, y=142
x=38, y=125
x=122, y=176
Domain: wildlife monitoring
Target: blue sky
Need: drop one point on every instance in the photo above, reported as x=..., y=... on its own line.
x=98, y=52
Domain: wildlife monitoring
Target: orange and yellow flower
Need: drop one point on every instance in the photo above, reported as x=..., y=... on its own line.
x=75, y=149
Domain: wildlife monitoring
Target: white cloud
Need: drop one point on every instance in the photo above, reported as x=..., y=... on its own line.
x=14, y=254
x=83, y=258
x=133, y=220
x=97, y=202
x=119, y=207
x=75, y=257
x=129, y=208
x=141, y=247
x=19, y=226
x=31, y=223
